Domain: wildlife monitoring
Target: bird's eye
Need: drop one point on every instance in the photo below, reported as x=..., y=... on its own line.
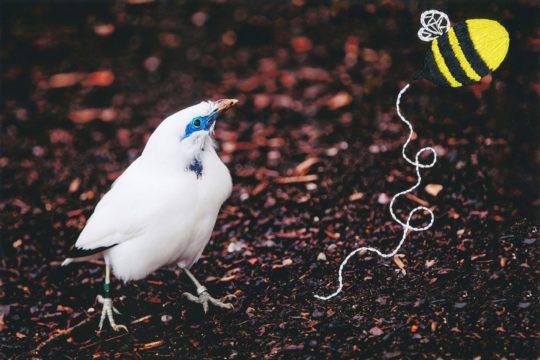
x=197, y=123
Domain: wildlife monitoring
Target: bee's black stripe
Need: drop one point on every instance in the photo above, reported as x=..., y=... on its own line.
x=432, y=72
x=465, y=42
x=451, y=60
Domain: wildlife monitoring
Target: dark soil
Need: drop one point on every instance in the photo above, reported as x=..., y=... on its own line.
x=84, y=85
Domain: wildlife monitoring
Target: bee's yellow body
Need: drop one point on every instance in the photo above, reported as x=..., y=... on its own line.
x=466, y=53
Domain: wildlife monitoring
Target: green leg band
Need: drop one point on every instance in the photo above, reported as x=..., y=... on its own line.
x=106, y=289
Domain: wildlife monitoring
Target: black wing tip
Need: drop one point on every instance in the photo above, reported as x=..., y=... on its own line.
x=75, y=252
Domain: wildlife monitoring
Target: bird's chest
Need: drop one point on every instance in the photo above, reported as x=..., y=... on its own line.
x=201, y=187
x=209, y=185
x=210, y=177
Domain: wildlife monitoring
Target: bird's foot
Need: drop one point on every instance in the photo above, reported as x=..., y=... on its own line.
x=204, y=298
x=107, y=312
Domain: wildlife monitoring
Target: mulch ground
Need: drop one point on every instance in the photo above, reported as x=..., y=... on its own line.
x=314, y=150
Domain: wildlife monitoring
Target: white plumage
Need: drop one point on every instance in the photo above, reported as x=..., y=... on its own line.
x=163, y=208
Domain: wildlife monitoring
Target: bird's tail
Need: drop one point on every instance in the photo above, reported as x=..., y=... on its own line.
x=67, y=261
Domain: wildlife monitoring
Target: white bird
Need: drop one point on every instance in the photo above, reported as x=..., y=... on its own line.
x=163, y=208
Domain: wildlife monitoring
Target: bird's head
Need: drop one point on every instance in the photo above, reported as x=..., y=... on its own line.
x=199, y=120
x=187, y=131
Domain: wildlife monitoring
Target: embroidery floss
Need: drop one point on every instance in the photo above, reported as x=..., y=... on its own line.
x=407, y=227
x=459, y=55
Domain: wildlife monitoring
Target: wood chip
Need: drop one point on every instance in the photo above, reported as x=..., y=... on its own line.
x=108, y=115
x=287, y=262
x=74, y=213
x=104, y=29
x=356, y=196
x=228, y=278
x=64, y=308
x=417, y=200
x=153, y=300
x=301, y=44
x=296, y=179
x=332, y=235
x=304, y=166
x=376, y=331
x=383, y=199
x=292, y=347
x=259, y=188
x=74, y=186
x=151, y=345
x=400, y=264
x=99, y=78
x=433, y=189
x=142, y=319
x=476, y=257
x=339, y=100
x=84, y=116
x=65, y=80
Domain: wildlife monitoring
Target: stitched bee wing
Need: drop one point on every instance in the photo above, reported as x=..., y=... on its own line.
x=434, y=24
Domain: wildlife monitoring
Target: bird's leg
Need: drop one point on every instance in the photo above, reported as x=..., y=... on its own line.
x=108, y=308
x=204, y=296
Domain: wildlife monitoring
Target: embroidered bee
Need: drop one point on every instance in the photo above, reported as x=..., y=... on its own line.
x=461, y=54
x=458, y=56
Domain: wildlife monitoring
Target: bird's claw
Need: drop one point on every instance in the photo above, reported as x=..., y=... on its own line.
x=107, y=312
x=116, y=327
x=204, y=298
x=231, y=297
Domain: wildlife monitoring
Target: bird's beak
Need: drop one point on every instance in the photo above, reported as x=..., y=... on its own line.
x=220, y=107
x=225, y=104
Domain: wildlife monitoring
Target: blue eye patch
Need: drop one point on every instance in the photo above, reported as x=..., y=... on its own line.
x=199, y=123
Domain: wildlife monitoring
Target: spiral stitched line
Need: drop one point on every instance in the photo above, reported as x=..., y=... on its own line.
x=406, y=225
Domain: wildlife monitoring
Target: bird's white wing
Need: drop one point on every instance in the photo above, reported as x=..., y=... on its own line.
x=124, y=211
